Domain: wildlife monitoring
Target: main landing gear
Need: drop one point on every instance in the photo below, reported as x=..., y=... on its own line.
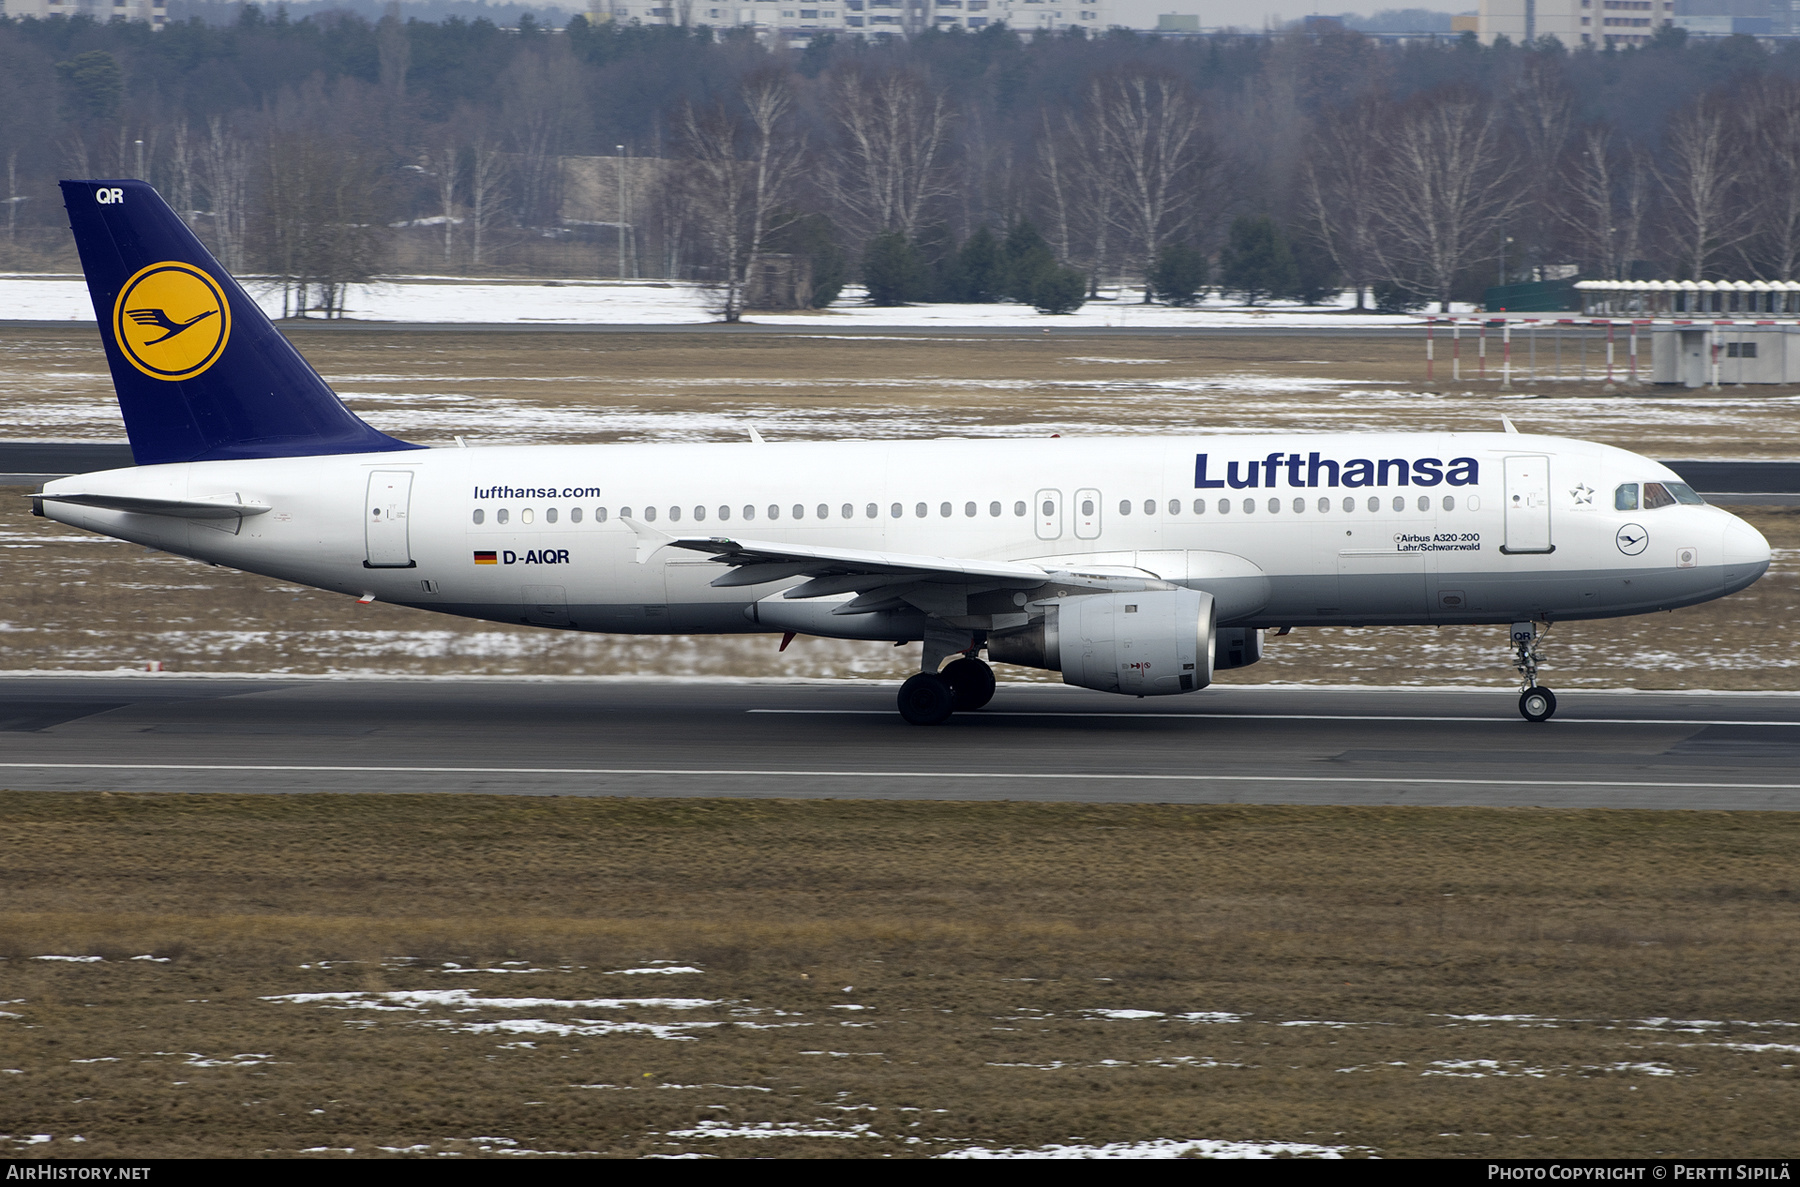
x=1536, y=703
x=930, y=697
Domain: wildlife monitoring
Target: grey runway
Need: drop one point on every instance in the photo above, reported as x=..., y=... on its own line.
x=814, y=740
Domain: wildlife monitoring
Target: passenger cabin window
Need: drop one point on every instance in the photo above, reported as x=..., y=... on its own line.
x=1199, y=506
x=1019, y=507
x=1625, y=498
x=500, y=515
x=480, y=515
x=550, y=515
x=574, y=515
x=599, y=515
x=1124, y=506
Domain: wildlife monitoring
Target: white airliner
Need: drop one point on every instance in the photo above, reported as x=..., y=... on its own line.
x=1132, y=565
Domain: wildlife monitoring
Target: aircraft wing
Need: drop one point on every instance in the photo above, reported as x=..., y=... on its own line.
x=880, y=580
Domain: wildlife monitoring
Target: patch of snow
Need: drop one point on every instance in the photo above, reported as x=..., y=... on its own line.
x=642, y=972
x=1126, y=1014
x=1478, y=1069
x=73, y=959
x=155, y=959
x=843, y=1054
x=822, y=1128
x=466, y=1001
x=194, y=1059
x=1163, y=1148
x=1218, y=1016
x=675, y=1031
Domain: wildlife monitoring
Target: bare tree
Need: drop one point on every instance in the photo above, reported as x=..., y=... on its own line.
x=1703, y=178
x=486, y=191
x=738, y=175
x=442, y=165
x=894, y=137
x=317, y=223
x=1338, y=182
x=1607, y=192
x=1076, y=160
x=180, y=171
x=393, y=50
x=1543, y=110
x=1772, y=121
x=1153, y=149
x=224, y=166
x=1443, y=193
x=542, y=88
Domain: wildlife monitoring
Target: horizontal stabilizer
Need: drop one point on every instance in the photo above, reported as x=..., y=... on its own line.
x=214, y=508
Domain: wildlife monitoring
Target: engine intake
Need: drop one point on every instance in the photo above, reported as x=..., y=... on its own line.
x=1153, y=643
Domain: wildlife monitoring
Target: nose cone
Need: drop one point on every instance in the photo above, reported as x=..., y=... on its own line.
x=1744, y=551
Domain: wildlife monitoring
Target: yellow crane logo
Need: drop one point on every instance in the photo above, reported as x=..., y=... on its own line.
x=171, y=320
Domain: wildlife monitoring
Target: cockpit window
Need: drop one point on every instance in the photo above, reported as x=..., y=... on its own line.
x=1656, y=494
x=1625, y=498
x=1684, y=494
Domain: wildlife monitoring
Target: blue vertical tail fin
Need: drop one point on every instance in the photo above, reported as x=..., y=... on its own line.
x=201, y=373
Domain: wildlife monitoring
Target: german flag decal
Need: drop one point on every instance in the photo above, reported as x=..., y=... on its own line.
x=487, y=558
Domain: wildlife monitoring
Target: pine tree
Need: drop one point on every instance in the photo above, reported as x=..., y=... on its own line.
x=892, y=270
x=1178, y=274
x=1256, y=262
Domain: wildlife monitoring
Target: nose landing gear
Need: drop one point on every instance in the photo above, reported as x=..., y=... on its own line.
x=1536, y=703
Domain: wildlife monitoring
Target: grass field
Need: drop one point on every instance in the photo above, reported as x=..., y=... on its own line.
x=455, y=974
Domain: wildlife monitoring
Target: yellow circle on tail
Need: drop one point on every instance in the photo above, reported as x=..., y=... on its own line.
x=171, y=320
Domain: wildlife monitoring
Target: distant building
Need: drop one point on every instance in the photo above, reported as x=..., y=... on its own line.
x=152, y=12
x=797, y=24
x=1574, y=22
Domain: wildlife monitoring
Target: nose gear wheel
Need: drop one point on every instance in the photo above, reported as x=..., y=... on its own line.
x=1536, y=703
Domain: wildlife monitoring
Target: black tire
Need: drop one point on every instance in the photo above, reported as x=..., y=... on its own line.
x=971, y=683
x=1537, y=704
x=926, y=699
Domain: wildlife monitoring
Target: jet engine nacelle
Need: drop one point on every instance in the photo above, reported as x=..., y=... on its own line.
x=1141, y=644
